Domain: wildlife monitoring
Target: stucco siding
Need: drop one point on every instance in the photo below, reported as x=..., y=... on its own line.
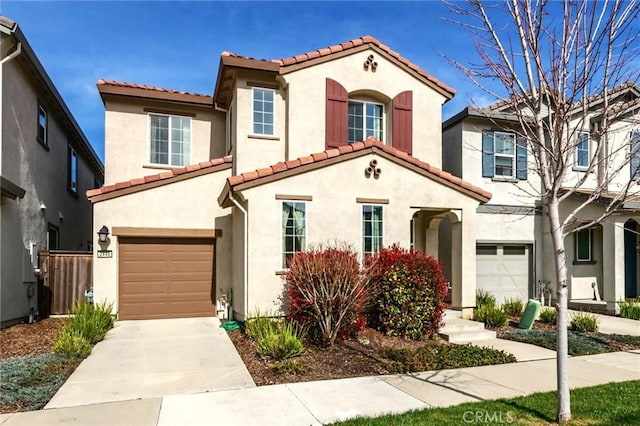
x=189, y=204
x=127, y=136
x=307, y=102
x=334, y=215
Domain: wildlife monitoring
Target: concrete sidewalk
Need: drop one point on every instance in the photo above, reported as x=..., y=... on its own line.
x=314, y=403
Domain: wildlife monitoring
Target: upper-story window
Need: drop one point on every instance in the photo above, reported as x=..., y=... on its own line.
x=170, y=140
x=263, y=111
x=365, y=119
x=634, y=152
x=42, y=125
x=583, y=154
x=505, y=153
x=72, y=170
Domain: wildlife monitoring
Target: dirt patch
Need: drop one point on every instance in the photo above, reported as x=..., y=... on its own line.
x=351, y=358
x=30, y=339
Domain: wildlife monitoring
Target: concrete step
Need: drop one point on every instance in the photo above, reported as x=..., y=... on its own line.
x=450, y=313
x=453, y=325
x=468, y=336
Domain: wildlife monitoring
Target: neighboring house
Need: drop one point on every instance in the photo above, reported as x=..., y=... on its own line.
x=207, y=198
x=514, y=254
x=46, y=165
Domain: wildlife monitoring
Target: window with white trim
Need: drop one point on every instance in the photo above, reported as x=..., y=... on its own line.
x=41, y=135
x=504, y=151
x=170, y=140
x=583, y=245
x=372, y=229
x=365, y=119
x=583, y=154
x=72, y=170
x=294, y=230
x=263, y=111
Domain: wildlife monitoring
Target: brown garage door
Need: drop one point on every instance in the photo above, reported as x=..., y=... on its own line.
x=166, y=278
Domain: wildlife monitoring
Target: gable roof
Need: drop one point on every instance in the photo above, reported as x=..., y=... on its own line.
x=113, y=87
x=326, y=158
x=230, y=61
x=152, y=181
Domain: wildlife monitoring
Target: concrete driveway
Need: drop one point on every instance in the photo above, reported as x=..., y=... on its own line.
x=153, y=358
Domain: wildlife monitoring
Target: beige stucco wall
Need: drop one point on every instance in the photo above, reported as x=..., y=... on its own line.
x=43, y=174
x=127, y=136
x=307, y=102
x=334, y=214
x=189, y=204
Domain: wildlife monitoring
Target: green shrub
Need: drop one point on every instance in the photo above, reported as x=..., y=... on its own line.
x=92, y=321
x=285, y=343
x=548, y=315
x=261, y=325
x=484, y=298
x=31, y=381
x=491, y=316
x=513, y=307
x=579, y=344
x=411, y=290
x=433, y=356
x=326, y=291
x=630, y=308
x=287, y=366
x=71, y=342
x=584, y=322
x=624, y=338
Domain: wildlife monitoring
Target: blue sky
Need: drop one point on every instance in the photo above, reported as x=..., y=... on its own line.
x=177, y=44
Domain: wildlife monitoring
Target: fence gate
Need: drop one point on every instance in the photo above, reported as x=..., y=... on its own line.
x=64, y=277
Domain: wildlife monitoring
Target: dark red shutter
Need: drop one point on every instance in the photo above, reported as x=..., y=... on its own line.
x=336, y=118
x=402, y=127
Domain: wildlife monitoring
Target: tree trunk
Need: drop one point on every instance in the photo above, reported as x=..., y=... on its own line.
x=562, y=347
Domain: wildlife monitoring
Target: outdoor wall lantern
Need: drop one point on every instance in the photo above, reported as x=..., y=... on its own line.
x=103, y=233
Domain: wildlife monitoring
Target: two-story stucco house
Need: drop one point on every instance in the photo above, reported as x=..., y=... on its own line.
x=207, y=198
x=514, y=254
x=46, y=165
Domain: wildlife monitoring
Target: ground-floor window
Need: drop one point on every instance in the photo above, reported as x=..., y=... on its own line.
x=583, y=245
x=372, y=229
x=294, y=224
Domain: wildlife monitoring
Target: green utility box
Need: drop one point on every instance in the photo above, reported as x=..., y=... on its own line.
x=530, y=314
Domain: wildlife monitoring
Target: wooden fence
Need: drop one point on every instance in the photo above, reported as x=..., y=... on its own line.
x=64, y=277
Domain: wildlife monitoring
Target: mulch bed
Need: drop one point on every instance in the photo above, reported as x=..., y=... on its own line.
x=30, y=339
x=350, y=358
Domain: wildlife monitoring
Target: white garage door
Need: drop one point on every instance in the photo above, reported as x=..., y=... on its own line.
x=504, y=270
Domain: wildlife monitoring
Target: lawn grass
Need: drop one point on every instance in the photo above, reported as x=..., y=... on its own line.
x=610, y=404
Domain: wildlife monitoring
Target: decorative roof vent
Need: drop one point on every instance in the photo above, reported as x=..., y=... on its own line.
x=373, y=169
x=370, y=63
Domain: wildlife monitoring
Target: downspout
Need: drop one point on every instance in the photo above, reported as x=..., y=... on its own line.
x=245, y=274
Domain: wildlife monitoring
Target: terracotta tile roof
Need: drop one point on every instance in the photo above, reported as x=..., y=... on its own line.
x=168, y=174
x=298, y=59
x=105, y=82
x=370, y=144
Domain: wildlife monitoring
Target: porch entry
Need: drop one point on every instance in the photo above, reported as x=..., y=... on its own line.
x=631, y=258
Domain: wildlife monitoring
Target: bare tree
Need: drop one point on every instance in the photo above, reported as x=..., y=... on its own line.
x=559, y=68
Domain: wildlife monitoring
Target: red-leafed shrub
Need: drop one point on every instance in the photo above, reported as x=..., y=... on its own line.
x=411, y=290
x=326, y=291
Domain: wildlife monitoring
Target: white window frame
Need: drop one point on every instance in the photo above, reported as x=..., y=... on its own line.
x=283, y=232
x=578, y=143
x=253, y=122
x=512, y=157
x=589, y=233
x=168, y=164
x=72, y=179
x=363, y=253
x=383, y=119
x=42, y=111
